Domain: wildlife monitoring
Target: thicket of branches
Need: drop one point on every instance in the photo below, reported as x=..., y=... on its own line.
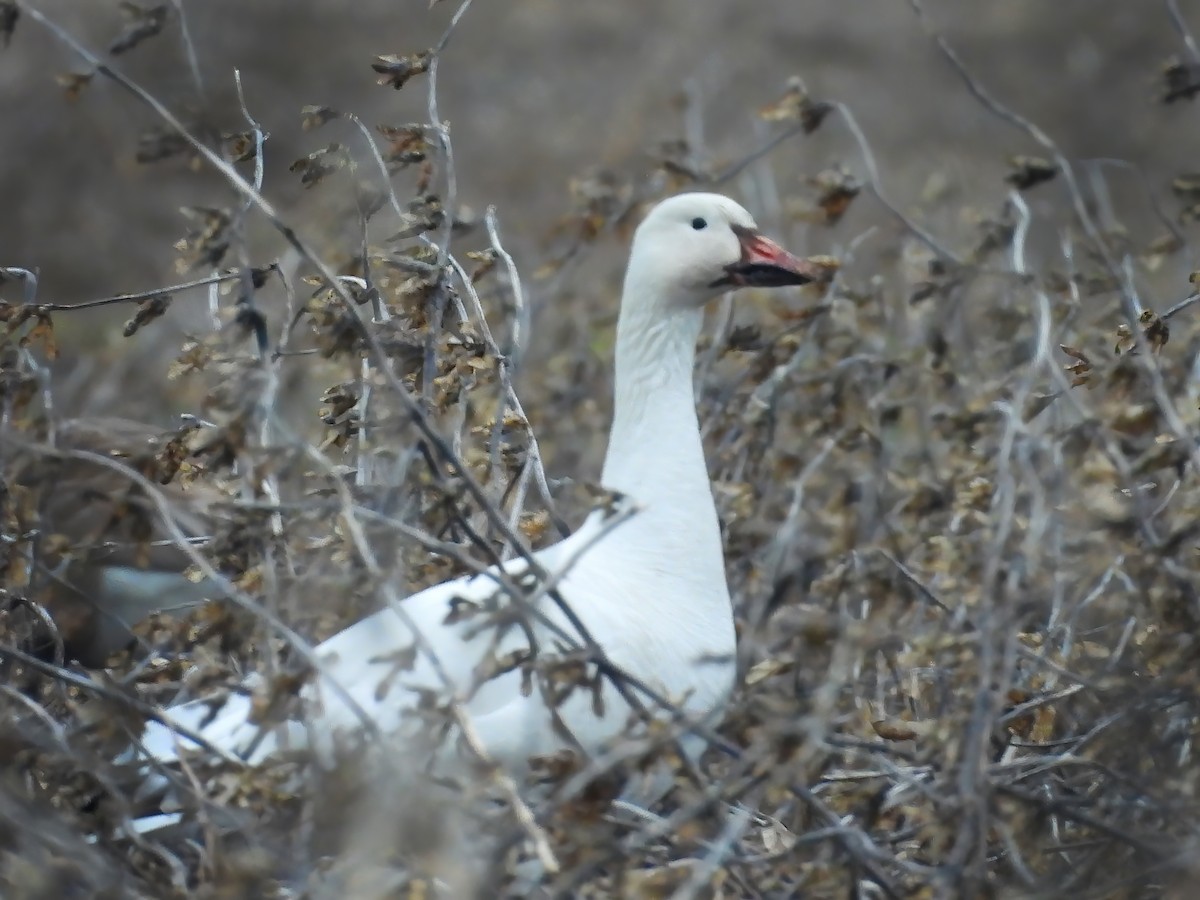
x=958, y=488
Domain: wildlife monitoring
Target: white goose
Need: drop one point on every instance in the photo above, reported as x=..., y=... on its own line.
x=651, y=591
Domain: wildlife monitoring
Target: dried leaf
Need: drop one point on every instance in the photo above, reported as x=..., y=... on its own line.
x=894, y=729
x=243, y=145
x=1180, y=80
x=1187, y=186
x=194, y=358
x=73, y=83
x=423, y=214
x=313, y=168
x=768, y=668
x=148, y=310
x=487, y=261
x=142, y=22
x=395, y=71
x=1155, y=329
x=208, y=241
x=836, y=189
x=313, y=117
x=797, y=106
x=1029, y=171
x=42, y=333
x=407, y=145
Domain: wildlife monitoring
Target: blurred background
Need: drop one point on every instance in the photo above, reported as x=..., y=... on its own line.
x=536, y=93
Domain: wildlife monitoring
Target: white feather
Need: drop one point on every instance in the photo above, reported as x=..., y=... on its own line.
x=651, y=591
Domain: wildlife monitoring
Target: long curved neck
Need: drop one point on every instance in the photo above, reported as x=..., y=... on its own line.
x=655, y=454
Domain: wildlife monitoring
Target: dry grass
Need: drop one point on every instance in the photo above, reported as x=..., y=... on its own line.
x=958, y=487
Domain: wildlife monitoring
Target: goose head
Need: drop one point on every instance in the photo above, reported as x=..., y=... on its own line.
x=693, y=247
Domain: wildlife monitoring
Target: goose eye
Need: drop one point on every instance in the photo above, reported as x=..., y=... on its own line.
x=699, y=224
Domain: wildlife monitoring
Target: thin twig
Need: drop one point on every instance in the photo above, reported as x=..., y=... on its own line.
x=1181, y=26
x=219, y=278
x=876, y=185
x=189, y=49
x=1186, y=303
x=746, y=162
x=994, y=106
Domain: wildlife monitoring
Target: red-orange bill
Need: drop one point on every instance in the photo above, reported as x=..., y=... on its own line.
x=765, y=264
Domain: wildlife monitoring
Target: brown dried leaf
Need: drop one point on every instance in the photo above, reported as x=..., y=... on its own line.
x=73, y=83
x=194, y=358
x=312, y=117
x=395, y=70
x=407, y=145
x=1081, y=369
x=797, y=106
x=768, y=668
x=43, y=333
x=208, y=241
x=142, y=22
x=243, y=145
x=1156, y=330
x=487, y=261
x=424, y=214
x=1029, y=171
x=896, y=729
x=836, y=189
x=339, y=399
x=175, y=453
x=148, y=310
x=1036, y=404
x=313, y=168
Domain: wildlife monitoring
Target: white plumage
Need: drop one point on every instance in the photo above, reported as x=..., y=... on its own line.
x=651, y=591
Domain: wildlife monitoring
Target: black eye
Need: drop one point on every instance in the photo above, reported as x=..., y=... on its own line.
x=699, y=224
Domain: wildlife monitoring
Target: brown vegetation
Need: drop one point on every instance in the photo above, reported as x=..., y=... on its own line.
x=958, y=483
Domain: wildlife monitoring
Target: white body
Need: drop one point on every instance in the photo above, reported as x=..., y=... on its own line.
x=690, y=662
x=652, y=592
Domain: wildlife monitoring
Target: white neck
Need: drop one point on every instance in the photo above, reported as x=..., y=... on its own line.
x=655, y=454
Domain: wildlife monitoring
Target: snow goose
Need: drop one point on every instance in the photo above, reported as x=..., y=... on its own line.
x=650, y=591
